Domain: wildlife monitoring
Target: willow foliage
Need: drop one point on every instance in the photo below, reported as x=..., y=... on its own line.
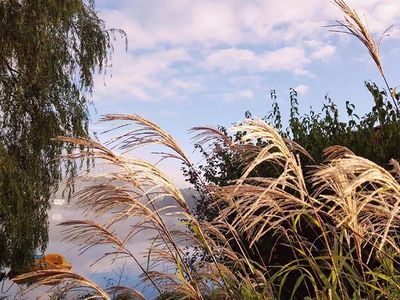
x=49, y=52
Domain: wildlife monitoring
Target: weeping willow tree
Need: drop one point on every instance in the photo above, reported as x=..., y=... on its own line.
x=49, y=52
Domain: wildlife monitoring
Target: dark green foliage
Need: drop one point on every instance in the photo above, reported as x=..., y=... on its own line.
x=49, y=52
x=375, y=136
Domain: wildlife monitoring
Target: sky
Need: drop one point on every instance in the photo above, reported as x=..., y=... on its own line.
x=202, y=62
x=192, y=63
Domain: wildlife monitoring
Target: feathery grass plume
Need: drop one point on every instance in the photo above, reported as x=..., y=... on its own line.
x=257, y=206
x=123, y=292
x=260, y=205
x=150, y=133
x=148, y=183
x=89, y=234
x=277, y=150
x=146, y=134
x=354, y=26
x=144, y=178
x=206, y=134
x=139, y=174
x=246, y=153
x=279, y=199
x=366, y=199
x=336, y=151
x=74, y=281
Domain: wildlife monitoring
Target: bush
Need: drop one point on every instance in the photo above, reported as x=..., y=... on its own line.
x=339, y=241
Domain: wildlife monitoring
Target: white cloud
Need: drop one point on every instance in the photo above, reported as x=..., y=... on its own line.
x=231, y=59
x=137, y=77
x=324, y=52
x=302, y=89
x=186, y=85
x=206, y=23
x=235, y=59
x=226, y=35
x=150, y=24
x=246, y=94
x=320, y=50
x=179, y=22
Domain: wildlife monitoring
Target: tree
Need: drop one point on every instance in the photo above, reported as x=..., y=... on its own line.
x=49, y=53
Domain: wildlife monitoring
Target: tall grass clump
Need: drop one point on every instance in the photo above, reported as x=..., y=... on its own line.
x=324, y=229
x=353, y=215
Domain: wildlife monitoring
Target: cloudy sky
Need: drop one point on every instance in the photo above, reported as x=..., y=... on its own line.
x=193, y=63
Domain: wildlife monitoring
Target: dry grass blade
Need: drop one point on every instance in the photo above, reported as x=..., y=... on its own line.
x=160, y=180
x=93, y=146
x=61, y=276
x=89, y=233
x=336, y=151
x=124, y=292
x=107, y=198
x=140, y=174
x=147, y=133
x=258, y=210
x=354, y=26
x=276, y=151
x=151, y=182
x=264, y=204
x=396, y=169
x=366, y=198
x=173, y=283
x=207, y=134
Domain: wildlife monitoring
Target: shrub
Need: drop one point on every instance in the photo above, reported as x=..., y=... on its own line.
x=352, y=211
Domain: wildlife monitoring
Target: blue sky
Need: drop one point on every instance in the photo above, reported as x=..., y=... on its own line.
x=193, y=63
